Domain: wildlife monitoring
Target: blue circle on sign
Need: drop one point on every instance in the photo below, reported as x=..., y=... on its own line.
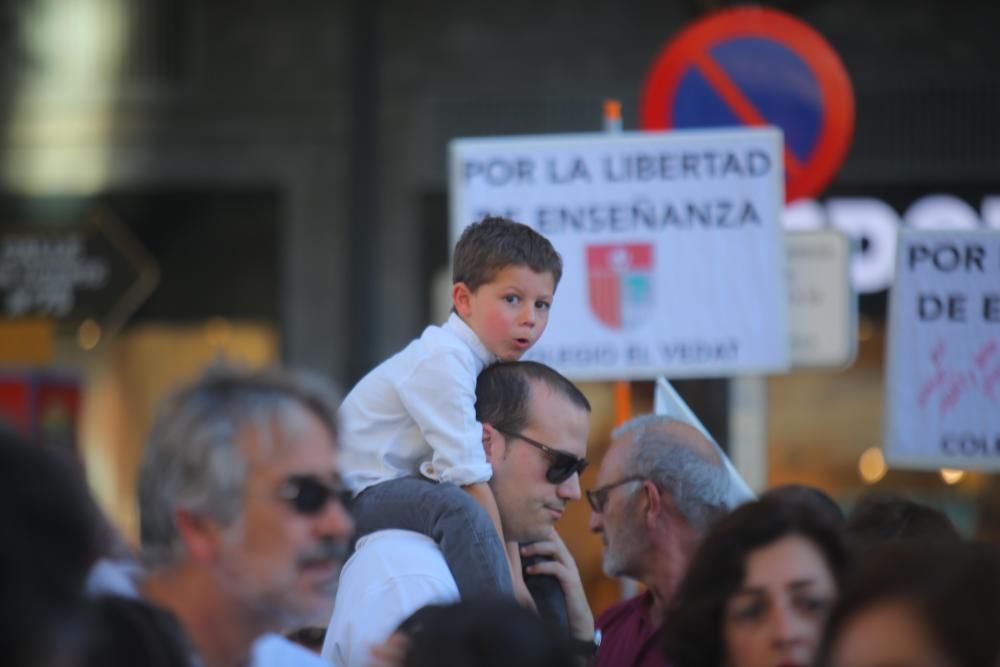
x=754, y=66
x=765, y=71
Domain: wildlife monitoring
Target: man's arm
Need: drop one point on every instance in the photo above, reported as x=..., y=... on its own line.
x=563, y=567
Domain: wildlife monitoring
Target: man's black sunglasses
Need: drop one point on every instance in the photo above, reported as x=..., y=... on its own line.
x=309, y=494
x=564, y=465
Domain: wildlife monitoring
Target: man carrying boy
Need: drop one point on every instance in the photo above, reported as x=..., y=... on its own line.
x=413, y=448
x=535, y=428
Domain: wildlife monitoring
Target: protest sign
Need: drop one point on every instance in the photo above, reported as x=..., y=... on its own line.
x=943, y=370
x=673, y=251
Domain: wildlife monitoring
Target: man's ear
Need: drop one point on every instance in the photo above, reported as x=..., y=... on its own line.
x=492, y=443
x=655, y=503
x=199, y=535
x=461, y=298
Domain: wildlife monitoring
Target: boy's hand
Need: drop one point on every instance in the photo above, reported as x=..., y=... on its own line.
x=563, y=567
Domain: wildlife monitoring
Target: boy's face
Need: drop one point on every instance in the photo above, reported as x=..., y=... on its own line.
x=510, y=312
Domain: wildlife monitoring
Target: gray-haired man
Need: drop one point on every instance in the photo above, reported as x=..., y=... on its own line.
x=243, y=527
x=661, y=484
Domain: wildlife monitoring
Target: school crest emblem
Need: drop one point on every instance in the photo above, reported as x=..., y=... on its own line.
x=620, y=283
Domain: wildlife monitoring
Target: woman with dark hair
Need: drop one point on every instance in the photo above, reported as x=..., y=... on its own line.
x=918, y=605
x=758, y=589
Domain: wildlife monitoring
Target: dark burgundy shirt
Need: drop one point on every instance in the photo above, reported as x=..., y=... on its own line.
x=628, y=637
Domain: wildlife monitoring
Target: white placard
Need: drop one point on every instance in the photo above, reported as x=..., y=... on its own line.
x=822, y=306
x=943, y=371
x=666, y=401
x=673, y=251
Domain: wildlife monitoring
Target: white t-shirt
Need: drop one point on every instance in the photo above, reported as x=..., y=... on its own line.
x=415, y=413
x=392, y=574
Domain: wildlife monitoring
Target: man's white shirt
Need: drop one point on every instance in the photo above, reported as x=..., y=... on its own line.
x=415, y=413
x=392, y=574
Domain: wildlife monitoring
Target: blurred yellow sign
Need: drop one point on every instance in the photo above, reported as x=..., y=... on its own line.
x=26, y=341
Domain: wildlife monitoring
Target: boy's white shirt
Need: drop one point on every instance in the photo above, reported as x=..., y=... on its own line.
x=415, y=414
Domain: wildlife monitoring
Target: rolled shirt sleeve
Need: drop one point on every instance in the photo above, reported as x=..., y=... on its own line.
x=439, y=394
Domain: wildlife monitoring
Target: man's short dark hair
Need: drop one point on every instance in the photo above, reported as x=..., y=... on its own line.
x=487, y=247
x=502, y=391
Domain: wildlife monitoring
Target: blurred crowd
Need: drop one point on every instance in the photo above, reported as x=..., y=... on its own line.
x=245, y=526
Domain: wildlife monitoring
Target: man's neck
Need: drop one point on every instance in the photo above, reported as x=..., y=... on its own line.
x=671, y=555
x=215, y=623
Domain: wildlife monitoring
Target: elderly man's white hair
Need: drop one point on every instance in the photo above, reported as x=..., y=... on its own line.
x=668, y=402
x=725, y=490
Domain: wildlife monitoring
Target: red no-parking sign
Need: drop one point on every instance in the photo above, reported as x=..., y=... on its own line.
x=755, y=66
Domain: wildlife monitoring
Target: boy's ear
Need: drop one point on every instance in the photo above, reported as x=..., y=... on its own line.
x=461, y=297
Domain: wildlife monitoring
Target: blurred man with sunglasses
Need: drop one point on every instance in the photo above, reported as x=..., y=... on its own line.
x=243, y=521
x=660, y=485
x=535, y=427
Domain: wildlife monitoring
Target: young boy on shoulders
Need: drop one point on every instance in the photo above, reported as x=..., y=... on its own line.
x=412, y=449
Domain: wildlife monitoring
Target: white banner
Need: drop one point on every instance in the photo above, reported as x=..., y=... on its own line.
x=943, y=371
x=674, y=260
x=666, y=401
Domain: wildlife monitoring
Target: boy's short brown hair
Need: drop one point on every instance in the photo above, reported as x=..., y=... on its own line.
x=488, y=246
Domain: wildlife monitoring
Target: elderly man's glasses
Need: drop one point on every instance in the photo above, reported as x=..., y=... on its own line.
x=598, y=498
x=308, y=494
x=564, y=465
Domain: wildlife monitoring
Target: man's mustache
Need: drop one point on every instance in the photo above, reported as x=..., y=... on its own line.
x=327, y=551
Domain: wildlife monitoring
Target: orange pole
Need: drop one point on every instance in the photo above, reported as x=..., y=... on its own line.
x=612, y=115
x=623, y=401
x=623, y=388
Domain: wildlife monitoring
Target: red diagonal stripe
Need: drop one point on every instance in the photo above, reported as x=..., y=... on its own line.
x=738, y=102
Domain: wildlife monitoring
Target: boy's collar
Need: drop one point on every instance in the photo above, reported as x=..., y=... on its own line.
x=457, y=325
